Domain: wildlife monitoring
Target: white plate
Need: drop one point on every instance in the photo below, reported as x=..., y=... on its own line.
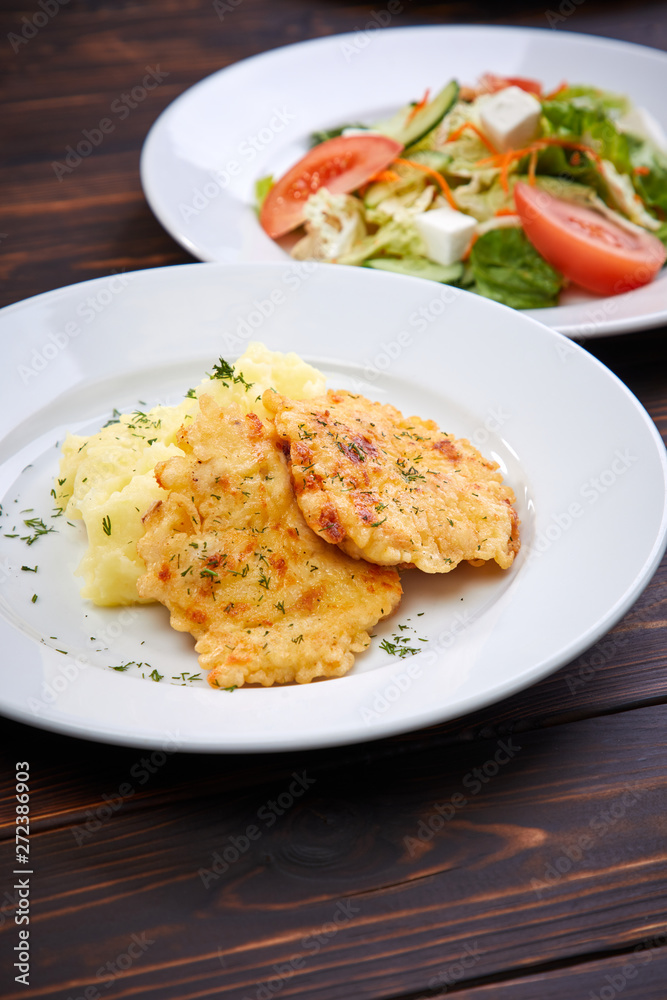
x=204, y=153
x=583, y=457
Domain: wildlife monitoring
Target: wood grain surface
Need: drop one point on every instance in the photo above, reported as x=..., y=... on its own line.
x=517, y=853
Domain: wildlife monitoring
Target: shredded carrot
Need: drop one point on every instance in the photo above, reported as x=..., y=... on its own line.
x=575, y=159
x=473, y=240
x=517, y=154
x=418, y=107
x=457, y=133
x=506, y=211
x=497, y=160
x=444, y=186
x=574, y=145
x=505, y=161
x=386, y=175
x=554, y=93
x=642, y=171
x=532, y=166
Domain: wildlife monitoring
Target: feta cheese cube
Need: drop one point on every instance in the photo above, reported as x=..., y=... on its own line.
x=510, y=118
x=446, y=233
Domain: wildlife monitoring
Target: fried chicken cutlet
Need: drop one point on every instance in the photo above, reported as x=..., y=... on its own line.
x=391, y=489
x=231, y=556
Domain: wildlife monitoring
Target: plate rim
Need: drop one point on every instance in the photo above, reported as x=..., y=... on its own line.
x=570, y=329
x=391, y=727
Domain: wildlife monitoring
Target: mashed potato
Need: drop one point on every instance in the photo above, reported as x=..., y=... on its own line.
x=107, y=479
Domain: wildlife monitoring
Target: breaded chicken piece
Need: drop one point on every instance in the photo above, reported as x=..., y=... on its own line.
x=391, y=489
x=229, y=553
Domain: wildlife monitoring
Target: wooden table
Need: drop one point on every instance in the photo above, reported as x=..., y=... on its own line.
x=370, y=878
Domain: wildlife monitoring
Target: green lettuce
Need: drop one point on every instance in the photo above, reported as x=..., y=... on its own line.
x=662, y=233
x=482, y=197
x=590, y=117
x=506, y=267
x=262, y=188
x=556, y=162
x=394, y=239
x=585, y=121
x=651, y=187
x=483, y=202
x=332, y=133
x=568, y=190
x=610, y=104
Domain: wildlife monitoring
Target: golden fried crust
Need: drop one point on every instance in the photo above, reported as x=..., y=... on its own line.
x=391, y=489
x=231, y=556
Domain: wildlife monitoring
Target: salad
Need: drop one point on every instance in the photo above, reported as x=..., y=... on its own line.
x=500, y=188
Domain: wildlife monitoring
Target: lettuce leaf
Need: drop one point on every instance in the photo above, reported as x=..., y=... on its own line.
x=508, y=268
x=556, y=162
x=482, y=197
x=561, y=187
x=394, y=238
x=611, y=104
x=651, y=187
x=332, y=133
x=662, y=233
x=483, y=202
x=587, y=121
x=262, y=188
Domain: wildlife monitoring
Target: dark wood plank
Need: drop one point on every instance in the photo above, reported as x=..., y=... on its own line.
x=626, y=668
x=590, y=739
x=54, y=233
x=639, y=974
x=418, y=860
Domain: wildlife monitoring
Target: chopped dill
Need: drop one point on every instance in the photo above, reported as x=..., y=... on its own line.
x=226, y=374
x=36, y=525
x=396, y=649
x=115, y=418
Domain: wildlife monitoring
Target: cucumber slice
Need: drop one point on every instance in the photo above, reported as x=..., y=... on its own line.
x=418, y=267
x=433, y=158
x=468, y=277
x=408, y=127
x=379, y=190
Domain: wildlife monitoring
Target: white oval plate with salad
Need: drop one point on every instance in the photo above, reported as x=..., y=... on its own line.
x=205, y=153
x=583, y=457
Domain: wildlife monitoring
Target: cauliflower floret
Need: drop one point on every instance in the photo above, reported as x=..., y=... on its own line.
x=334, y=223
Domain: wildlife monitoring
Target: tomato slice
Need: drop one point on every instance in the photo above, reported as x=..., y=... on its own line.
x=341, y=165
x=490, y=83
x=586, y=247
